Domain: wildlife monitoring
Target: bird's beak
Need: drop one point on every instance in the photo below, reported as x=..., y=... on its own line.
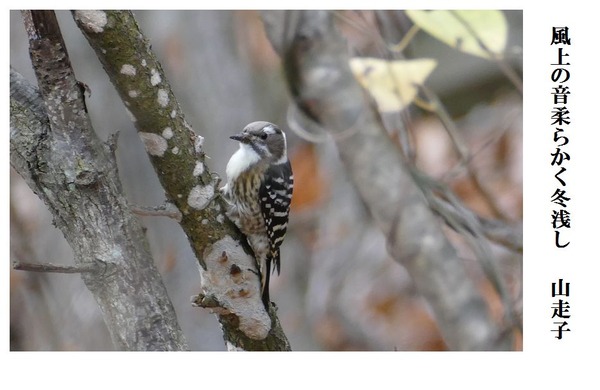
x=241, y=137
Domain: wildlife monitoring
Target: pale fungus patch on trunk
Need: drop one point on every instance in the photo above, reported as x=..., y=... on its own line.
x=167, y=133
x=155, y=144
x=162, y=97
x=198, y=168
x=235, y=286
x=154, y=77
x=200, y=196
x=128, y=70
x=93, y=21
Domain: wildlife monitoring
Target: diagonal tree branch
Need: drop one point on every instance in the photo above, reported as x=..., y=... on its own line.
x=54, y=147
x=178, y=158
x=316, y=65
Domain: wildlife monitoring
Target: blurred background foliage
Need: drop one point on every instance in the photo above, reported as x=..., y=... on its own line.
x=338, y=289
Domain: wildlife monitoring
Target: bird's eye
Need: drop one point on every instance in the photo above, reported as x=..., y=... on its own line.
x=264, y=135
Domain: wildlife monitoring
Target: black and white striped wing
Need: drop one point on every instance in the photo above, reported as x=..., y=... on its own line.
x=275, y=197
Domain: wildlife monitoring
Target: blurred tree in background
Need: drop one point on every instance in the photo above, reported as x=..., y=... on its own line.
x=339, y=289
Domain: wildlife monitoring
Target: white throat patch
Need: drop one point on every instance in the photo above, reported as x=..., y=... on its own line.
x=240, y=161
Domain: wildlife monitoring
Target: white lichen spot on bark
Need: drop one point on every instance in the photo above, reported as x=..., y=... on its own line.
x=155, y=144
x=198, y=168
x=220, y=218
x=93, y=21
x=173, y=114
x=237, y=293
x=200, y=196
x=162, y=97
x=128, y=70
x=198, y=142
x=233, y=348
x=144, y=63
x=175, y=150
x=154, y=77
x=133, y=93
x=167, y=133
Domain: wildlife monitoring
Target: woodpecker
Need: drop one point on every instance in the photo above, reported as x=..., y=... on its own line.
x=259, y=191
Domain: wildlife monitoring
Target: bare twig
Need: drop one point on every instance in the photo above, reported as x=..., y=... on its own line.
x=300, y=124
x=406, y=39
x=469, y=225
x=61, y=269
x=500, y=232
x=512, y=76
x=165, y=210
x=463, y=151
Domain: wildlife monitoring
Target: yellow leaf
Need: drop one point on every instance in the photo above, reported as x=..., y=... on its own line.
x=466, y=30
x=393, y=84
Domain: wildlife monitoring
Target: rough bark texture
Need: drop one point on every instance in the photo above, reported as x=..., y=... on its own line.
x=230, y=286
x=316, y=65
x=54, y=147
